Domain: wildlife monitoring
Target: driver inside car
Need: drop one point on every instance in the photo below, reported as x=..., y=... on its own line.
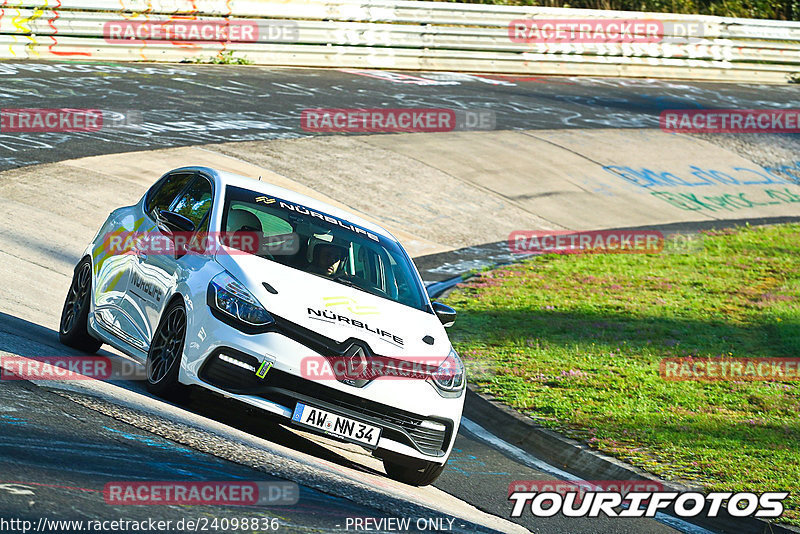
x=327, y=259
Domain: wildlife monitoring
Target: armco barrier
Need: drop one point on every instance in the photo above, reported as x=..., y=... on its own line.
x=403, y=34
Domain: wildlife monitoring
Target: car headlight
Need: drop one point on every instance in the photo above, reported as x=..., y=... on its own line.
x=229, y=296
x=449, y=379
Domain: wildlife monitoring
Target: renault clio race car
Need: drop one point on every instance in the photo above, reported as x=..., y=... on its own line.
x=281, y=302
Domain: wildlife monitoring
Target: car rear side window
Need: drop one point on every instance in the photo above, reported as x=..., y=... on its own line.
x=163, y=193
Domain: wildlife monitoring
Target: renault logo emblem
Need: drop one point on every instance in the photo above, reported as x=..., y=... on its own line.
x=356, y=359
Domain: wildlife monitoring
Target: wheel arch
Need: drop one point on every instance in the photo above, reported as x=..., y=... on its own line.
x=84, y=257
x=177, y=296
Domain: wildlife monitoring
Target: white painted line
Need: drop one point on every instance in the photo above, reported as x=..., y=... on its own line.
x=532, y=461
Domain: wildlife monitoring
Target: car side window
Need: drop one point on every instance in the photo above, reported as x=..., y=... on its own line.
x=366, y=264
x=195, y=202
x=163, y=193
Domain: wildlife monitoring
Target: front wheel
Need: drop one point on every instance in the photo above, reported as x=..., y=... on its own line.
x=73, y=329
x=413, y=472
x=166, y=351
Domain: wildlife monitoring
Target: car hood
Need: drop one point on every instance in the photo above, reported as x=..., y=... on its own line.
x=339, y=312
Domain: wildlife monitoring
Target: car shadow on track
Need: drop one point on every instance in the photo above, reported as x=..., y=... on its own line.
x=265, y=426
x=19, y=337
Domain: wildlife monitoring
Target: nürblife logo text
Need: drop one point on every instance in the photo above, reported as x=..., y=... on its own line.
x=329, y=316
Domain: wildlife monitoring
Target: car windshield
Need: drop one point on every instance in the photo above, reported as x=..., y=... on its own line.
x=320, y=244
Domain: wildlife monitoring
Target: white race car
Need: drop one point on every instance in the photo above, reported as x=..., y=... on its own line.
x=279, y=301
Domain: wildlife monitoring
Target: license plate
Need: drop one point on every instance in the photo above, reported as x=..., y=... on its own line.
x=337, y=425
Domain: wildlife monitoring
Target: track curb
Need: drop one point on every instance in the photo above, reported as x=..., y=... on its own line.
x=578, y=459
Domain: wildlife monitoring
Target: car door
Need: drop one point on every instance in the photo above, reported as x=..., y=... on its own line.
x=157, y=273
x=137, y=293
x=112, y=263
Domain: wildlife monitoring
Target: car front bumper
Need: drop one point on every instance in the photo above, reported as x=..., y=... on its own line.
x=415, y=420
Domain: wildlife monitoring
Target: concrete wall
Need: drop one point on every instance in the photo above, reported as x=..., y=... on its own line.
x=436, y=192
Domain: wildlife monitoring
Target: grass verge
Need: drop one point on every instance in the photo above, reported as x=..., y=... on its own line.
x=576, y=341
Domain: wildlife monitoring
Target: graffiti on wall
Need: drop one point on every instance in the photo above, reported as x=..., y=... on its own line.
x=729, y=201
x=698, y=177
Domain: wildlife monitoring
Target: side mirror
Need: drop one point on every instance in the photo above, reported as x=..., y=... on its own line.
x=176, y=222
x=446, y=314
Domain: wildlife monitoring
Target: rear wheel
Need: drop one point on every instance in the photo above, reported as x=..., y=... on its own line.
x=413, y=472
x=166, y=351
x=73, y=329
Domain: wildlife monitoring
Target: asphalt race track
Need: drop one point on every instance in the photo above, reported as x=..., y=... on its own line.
x=181, y=105
x=61, y=445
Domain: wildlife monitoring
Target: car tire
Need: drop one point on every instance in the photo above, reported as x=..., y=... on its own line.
x=73, y=328
x=413, y=472
x=165, y=354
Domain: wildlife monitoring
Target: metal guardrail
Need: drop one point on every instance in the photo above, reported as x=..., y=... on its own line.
x=404, y=34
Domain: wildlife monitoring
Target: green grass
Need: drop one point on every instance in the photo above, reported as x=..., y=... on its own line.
x=575, y=342
x=223, y=58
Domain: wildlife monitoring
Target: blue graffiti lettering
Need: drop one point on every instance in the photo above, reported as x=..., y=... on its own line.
x=646, y=178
